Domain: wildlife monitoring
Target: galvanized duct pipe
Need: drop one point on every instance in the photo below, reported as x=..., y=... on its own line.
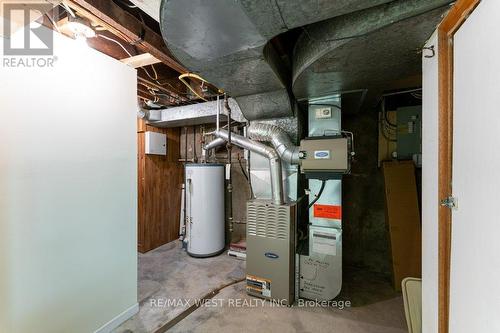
x=261, y=149
x=214, y=144
x=287, y=151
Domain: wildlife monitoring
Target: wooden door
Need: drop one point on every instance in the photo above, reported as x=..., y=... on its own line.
x=475, y=226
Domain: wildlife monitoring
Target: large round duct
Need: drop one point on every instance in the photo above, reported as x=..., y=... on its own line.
x=366, y=49
x=227, y=42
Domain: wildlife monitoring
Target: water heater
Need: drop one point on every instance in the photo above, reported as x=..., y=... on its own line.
x=205, y=209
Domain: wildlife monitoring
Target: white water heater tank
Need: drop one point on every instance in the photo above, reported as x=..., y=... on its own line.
x=205, y=209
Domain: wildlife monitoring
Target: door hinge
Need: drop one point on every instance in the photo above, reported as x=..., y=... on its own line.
x=450, y=202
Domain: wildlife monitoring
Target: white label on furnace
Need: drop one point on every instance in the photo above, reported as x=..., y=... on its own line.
x=323, y=113
x=325, y=242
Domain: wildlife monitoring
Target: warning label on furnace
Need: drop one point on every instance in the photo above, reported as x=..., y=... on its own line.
x=328, y=212
x=259, y=286
x=325, y=242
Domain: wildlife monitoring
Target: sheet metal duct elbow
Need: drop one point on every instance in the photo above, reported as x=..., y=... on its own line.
x=214, y=144
x=261, y=149
x=287, y=151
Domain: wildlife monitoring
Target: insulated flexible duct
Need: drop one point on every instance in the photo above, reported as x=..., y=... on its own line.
x=287, y=151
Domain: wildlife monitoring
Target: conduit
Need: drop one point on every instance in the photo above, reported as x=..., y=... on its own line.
x=230, y=165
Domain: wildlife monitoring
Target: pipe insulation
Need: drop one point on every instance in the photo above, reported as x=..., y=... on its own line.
x=286, y=150
x=263, y=150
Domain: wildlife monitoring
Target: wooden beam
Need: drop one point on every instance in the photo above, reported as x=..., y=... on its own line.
x=127, y=26
x=140, y=60
x=446, y=31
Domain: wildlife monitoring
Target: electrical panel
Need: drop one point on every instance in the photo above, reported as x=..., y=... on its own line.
x=409, y=132
x=155, y=143
x=325, y=156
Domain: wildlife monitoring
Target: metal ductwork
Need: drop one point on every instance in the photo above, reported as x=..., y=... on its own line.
x=261, y=149
x=228, y=43
x=215, y=143
x=190, y=115
x=287, y=151
x=365, y=49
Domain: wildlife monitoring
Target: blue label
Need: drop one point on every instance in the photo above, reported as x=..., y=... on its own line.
x=322, y=154
x=271, y=255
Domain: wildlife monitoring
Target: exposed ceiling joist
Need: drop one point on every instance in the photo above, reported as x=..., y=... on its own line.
x=124, y=24
x=173, y=97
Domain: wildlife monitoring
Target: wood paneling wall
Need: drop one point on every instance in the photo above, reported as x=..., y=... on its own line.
x=159, y=190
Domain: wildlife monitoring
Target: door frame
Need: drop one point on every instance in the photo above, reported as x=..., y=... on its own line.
x=457, y=15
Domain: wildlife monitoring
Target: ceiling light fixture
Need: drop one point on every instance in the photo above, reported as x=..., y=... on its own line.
x=80, y=28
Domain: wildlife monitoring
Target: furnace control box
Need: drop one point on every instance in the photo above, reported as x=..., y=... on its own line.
x=325, y=157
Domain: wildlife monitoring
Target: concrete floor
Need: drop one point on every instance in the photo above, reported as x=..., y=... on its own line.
x=169, y=273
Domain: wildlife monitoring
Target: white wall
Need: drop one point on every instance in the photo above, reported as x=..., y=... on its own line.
x=430, y=190
x=68, y=193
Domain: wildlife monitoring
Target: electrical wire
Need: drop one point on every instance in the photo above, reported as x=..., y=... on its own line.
x=246, y=176
x=155, y=79
x=416, y=95
x=384, y=113
x=323, y=183
x=174, y=89
x=116, y=42
x=387, y=121
x=319, y=104
x=195, y=155
x=154, y=92
x=154, y=71
x=385, y=135
x=126, y=4
x=194, y=76
x=149, y=75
